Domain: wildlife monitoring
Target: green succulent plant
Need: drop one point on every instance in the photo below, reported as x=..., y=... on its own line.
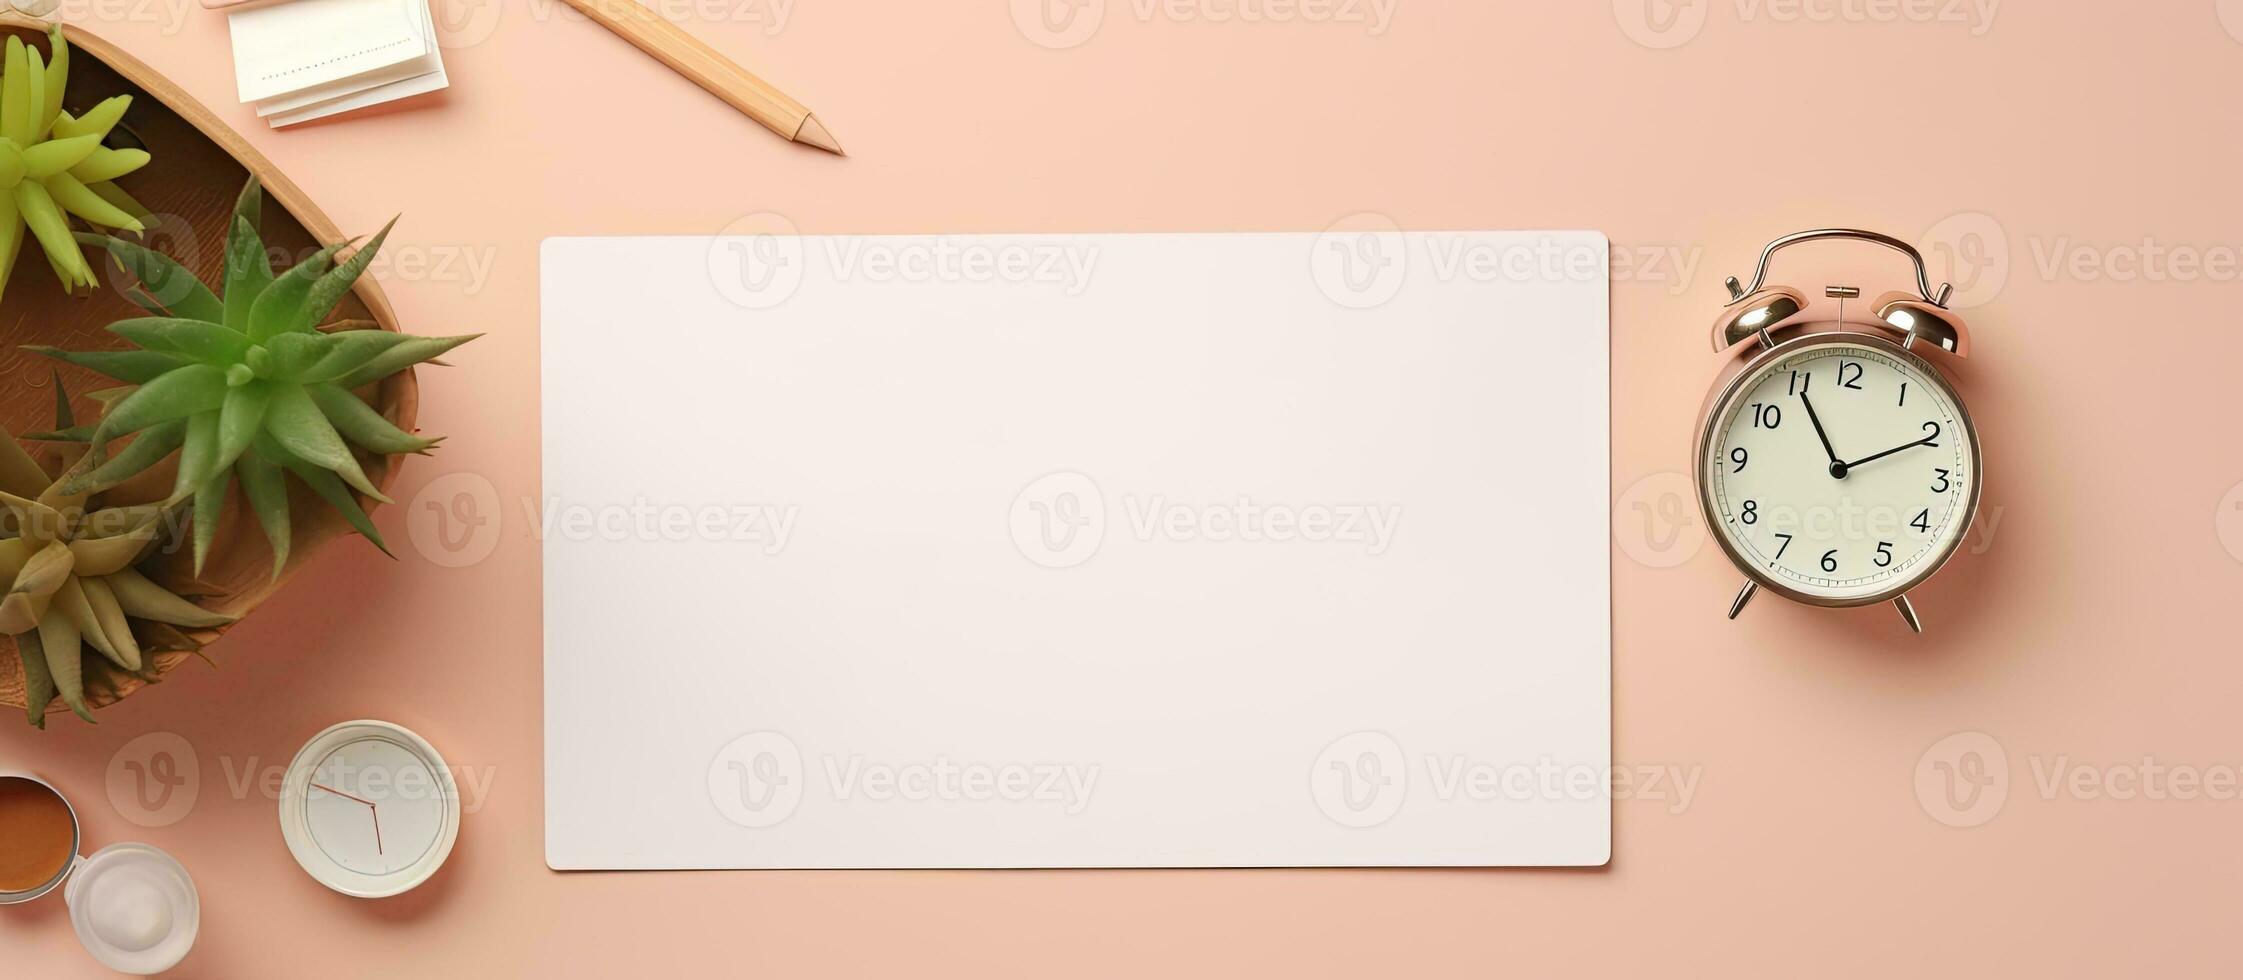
x=246, y=384
x=52, y=164
x=73, y=596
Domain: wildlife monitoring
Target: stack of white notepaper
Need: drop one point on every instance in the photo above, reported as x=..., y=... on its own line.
x=307, y=59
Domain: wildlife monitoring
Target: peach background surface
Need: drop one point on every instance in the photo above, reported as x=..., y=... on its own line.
x=2059, y=161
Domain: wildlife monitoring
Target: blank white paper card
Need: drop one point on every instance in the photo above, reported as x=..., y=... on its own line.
x=1076, y=550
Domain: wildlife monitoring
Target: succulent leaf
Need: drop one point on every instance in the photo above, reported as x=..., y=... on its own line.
x=145, y=450
x=34, y=587
x=34, y=520
x=198, y=457
x=210, y=499
x=280, y=308
x=58, y=78
x=134, y=366
x=267, y=493
x=109, y=396
x=22, y=609
x=107, y=556
x=35, y=82
x=65, y=504
x=46, y=569
x=59, y=641
x=55, y=156
x=46, y=222
x=141, y=598
x=361, y=425
x=64, y=418
x=165, y=281
x=349, y=351
x=15, y=93
x=38, y=683
x=195, y=339
x=174, y=395
x=76, y=198
x=14, y=553
x=330, y=289
x=249, y=205
x=70, y=601
x=413, y=351
x=98, y=120
x=293, y=354
x=248, y=271
x=329, y=488
x=302, y=430
x=241, y=418
x=108, y=191
x=106, y=163
x=124, y=649
x=159, y=637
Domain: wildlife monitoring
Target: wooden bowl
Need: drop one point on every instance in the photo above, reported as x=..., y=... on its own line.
x=198, y=169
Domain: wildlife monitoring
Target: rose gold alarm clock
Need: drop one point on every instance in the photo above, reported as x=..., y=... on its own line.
x=1835, y=461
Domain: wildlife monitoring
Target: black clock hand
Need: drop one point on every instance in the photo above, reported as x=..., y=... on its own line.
x=1837, y=468
x=1925, y=441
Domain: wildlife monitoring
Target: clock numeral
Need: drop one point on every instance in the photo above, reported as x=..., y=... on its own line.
x=1922, y=521
x=1786, y=544
x=1738, y=456
x=1849, y=381
x=1932, y=434
x=1799, y=382
x=1884, y=554
x=1941, y=476
x=1830, y=560
x=1904, y=394
x=1751, y=513
x=1765, y=416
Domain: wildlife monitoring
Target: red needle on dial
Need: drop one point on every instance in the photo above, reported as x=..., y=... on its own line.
x=371, y=810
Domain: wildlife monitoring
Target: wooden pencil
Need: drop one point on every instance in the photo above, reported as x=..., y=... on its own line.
x=686, y=55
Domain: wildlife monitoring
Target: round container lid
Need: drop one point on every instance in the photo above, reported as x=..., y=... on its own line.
x=134, y=908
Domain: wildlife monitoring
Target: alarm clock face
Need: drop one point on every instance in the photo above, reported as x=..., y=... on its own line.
x=369, y=809
x=1839, y=470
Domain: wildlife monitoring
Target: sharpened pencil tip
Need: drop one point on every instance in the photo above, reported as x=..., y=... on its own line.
x=815, y=133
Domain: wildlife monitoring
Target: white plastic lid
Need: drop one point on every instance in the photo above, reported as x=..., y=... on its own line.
x=134, y=907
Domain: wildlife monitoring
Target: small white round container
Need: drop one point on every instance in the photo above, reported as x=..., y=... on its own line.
x=134, y=907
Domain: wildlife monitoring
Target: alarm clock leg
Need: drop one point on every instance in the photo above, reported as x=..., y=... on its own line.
x=1908, y=612
x=1744, y=595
